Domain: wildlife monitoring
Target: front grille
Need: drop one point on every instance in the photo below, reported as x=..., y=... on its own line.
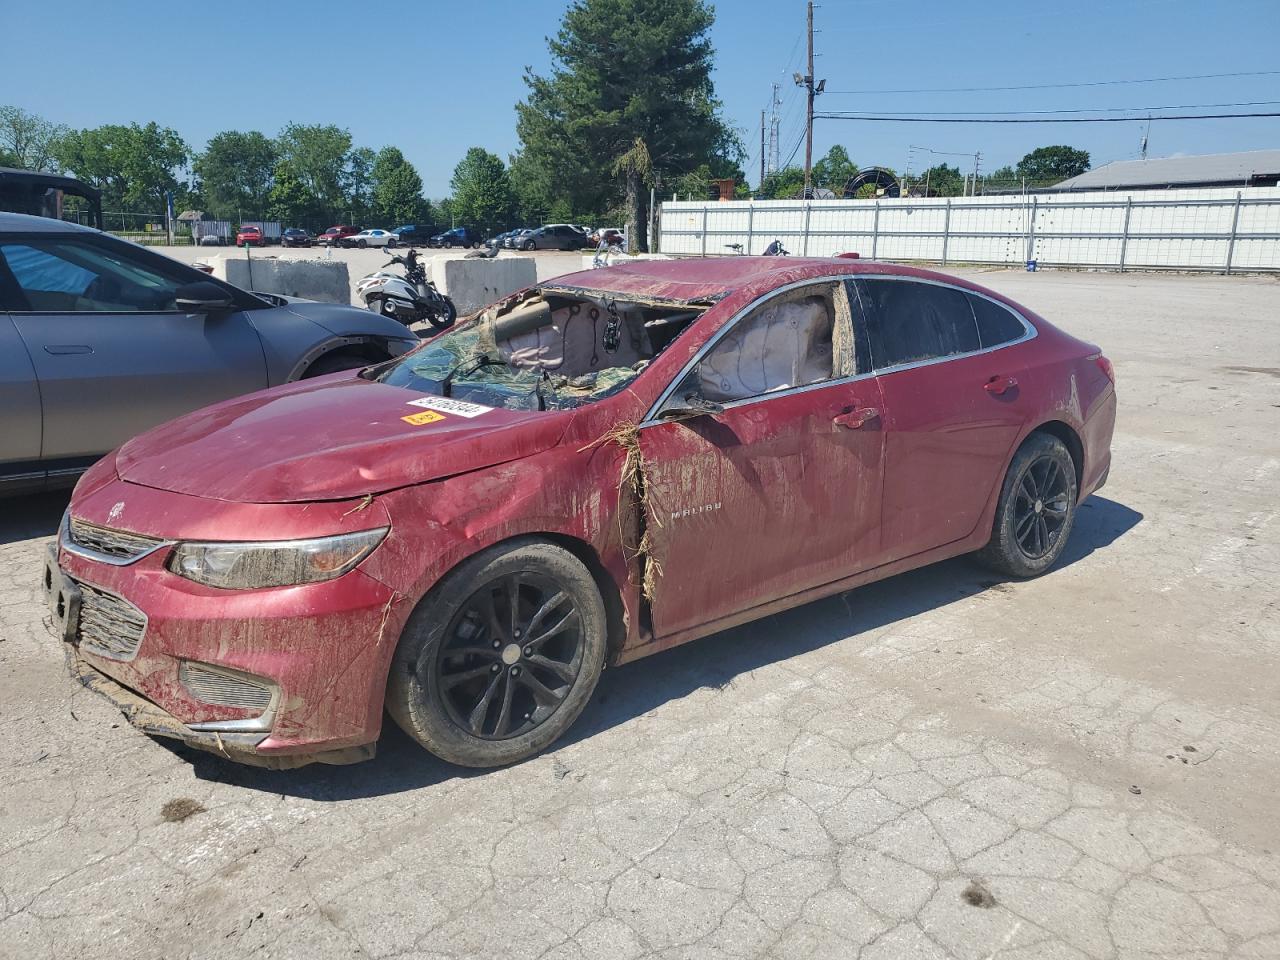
x=109, y=626
x=112, y=543
x=223, y=689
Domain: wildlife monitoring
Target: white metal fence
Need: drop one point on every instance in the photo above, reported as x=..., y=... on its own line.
x=1223, y=231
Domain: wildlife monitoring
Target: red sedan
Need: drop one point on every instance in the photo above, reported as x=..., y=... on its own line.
x=250, y=237
x=590, y=471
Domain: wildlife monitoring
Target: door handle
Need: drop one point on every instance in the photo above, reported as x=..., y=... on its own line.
x=59, y=349
x=856, y=419
x=1000, y=385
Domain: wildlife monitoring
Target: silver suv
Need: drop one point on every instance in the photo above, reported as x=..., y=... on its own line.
x=101, y=339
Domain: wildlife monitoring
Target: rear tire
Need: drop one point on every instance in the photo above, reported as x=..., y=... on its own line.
x=1036, y=511
x=516, y=631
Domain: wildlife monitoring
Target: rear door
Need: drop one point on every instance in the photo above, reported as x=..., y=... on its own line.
x=952, y=405
x=19, y=409
x=780, y=492
x=112, y=353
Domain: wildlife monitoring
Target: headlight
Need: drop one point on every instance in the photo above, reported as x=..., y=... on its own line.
x=272, y=563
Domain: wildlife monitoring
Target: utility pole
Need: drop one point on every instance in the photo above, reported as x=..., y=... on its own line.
x=775, y=123
x=977, y=162
x=808, y=125
x=812, y=90
x=760, y=185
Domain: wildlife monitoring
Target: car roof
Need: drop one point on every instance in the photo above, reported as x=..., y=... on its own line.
x=24, y=223
x=701, y=279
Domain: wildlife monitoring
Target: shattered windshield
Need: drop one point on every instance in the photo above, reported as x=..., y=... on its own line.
x=543, y=352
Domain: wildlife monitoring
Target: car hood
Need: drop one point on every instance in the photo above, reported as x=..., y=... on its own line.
x=331, y=438
x=342, y=320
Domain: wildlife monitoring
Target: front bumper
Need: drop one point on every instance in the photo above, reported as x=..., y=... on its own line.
x=321, y=649
x=240, y=747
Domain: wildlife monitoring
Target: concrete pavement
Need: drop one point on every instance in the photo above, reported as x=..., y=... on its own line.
x=939, y=765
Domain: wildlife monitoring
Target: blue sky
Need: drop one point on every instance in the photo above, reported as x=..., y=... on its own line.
x=435, y=78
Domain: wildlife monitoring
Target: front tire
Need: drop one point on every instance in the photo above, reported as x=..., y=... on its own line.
x=529, y=245
x=447, y=315
x=1036, y=511
x=498, y=661
x=363, y=244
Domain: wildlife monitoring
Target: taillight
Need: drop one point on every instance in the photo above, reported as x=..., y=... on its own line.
x=1105, y=366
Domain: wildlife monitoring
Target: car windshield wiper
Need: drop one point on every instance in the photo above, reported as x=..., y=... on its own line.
x=470, y=365
x=537, y=391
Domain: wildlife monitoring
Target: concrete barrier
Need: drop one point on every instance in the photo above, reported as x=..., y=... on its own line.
x=324, y=280
x=472, y=284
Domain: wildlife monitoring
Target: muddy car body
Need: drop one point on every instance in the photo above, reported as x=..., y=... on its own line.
x=732, y=448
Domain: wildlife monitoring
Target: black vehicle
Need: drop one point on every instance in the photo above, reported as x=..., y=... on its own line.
x=41, y=194
x=295, y=237
x=558, y=237
x=457, y=237
x=413, y=235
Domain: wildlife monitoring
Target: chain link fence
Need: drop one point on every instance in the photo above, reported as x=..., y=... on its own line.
x=1221, y=231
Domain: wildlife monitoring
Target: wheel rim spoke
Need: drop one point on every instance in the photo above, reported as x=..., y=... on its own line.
x=504, y=714
x=541, y=692
x=481, y=710
x=454, y=679
x=536, y=620
x=564, y=671
x=569, y=618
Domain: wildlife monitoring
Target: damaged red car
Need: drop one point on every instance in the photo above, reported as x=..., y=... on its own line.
x=587, y=472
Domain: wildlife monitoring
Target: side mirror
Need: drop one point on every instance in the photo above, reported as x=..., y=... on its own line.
x=203, y=297
x=691, y=405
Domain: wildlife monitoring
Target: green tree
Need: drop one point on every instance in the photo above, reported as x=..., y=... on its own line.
x=27, y=140
x=623, y=72
x=133, y=166
x=236, y=173
x=940, y=181
x=397, y=190
x=783, y=184
x=290, y=201
x=834, y=170
x=1048, y=165
x=482, y=194
x=319, y=157
x=358, y=182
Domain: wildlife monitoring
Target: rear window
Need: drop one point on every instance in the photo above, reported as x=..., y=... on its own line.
x=996, y=323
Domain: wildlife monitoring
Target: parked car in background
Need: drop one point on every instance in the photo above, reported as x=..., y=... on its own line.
x=211, y=240
x=413, y=235
x=512, y=239
x=281, y=568
x=295, y=237
x=333, y=235
x=611, y=235
x=457, y=237
x=558, y=236
x=369, y=238
x=498, y=239
x=101, y=338
x=250, y=237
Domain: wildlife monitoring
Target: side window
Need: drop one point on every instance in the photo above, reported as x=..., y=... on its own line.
x=996, y=325
x=797, y=338
x=908, y=322
x=66, y=276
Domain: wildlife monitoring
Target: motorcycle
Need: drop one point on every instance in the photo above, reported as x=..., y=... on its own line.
x=409, y=298
x=776, y=249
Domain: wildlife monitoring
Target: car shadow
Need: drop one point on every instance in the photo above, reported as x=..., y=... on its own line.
x=31, y=517
x=635, y=689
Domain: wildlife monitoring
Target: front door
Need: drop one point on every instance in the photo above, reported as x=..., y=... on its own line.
x=781, y=491
x=112, y=354
x=952, y=407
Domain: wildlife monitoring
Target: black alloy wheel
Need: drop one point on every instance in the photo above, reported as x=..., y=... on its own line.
x=501, y=656
x=510, y=656
x=1036, y=509
x=1040, y=506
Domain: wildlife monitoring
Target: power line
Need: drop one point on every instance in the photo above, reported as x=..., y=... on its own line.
x=922, y=119
x=1063, y=86
x=1019, y=113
